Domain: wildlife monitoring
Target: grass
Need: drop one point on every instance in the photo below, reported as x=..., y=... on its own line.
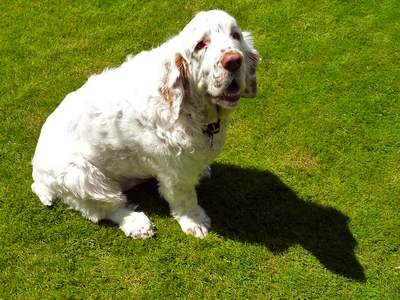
x=305, y=198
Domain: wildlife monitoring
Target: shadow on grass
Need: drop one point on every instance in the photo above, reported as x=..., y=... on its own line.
x=254, y=206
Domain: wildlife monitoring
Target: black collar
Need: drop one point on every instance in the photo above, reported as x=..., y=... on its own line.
x=212, y=128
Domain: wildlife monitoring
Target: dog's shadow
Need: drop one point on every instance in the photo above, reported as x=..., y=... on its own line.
x=254, y=206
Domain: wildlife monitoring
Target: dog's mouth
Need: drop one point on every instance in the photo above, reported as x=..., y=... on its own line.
x=232, y=92
x=230, y=96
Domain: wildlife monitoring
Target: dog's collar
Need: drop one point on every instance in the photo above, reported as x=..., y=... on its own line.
x=211, y=129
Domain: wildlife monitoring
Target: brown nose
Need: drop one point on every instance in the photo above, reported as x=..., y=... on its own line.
x=231, y=61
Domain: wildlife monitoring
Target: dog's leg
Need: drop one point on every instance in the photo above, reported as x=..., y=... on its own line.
x=134, y=224
x=88, y=190
x=182, y=200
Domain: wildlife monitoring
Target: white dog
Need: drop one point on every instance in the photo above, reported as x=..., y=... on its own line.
x=162, y=114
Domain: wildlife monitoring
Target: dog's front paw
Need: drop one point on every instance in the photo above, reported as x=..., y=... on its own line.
x=138, y=226
x=195, y=222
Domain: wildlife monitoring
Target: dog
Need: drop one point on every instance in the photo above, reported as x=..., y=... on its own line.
x=162, y=114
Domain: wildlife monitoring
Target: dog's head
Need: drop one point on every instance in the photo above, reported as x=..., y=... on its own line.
x=217, y=59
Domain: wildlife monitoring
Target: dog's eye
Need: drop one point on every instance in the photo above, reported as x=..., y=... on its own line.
x=236, y=35
x=200, y=45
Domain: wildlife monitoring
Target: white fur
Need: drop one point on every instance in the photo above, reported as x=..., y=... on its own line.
x=145, y=119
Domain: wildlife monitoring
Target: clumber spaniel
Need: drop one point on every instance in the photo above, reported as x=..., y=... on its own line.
x=161, y=114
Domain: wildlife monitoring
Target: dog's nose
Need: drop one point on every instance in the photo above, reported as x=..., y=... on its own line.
x=231, y=61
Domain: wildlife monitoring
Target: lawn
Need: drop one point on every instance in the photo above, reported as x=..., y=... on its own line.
x=305, y=198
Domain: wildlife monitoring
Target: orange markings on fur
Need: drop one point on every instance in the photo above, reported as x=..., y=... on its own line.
x=182, y=66
x=165, y=89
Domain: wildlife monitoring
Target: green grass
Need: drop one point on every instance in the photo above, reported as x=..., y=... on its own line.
x=305, y=198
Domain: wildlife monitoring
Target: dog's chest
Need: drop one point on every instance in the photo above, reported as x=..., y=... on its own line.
x=157, y=150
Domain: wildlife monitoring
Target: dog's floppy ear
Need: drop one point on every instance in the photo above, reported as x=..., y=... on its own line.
x=183, y=67
x=174, y=85
x=251, y=59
